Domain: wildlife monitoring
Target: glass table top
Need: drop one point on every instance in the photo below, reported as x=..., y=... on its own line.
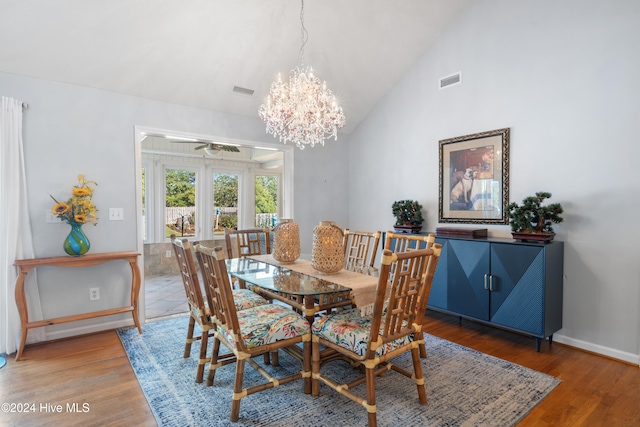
x=280, y=278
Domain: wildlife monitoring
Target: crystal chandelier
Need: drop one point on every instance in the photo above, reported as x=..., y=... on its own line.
x=302, y=111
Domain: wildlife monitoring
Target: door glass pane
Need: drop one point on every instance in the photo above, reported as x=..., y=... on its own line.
x=225, y=201
x=180, y=202
x=266, y=201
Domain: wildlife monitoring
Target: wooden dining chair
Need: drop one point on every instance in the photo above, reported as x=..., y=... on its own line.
x=360, y=249
x=249, y=333
x=402, y=242
x=198, y=312
x=198, y=308
x=370, y=342
x=254, y=241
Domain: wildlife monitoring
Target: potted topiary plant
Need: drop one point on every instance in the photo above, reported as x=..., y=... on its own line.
x=408, y=215
x=531, y=220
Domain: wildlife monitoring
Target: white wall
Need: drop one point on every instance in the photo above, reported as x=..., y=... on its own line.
x=70, y=130
x=564, y=77
x=321, y=178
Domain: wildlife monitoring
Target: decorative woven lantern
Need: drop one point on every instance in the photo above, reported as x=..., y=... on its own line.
x=286, y=247
x=327, y=255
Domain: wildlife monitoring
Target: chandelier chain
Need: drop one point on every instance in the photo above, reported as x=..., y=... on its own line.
x=304, y=34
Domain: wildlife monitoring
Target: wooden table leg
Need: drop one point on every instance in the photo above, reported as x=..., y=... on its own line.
x=135, y=290
x=310, y=311
x=21, y=302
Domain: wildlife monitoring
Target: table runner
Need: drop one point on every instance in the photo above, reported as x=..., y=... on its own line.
x=363, y=287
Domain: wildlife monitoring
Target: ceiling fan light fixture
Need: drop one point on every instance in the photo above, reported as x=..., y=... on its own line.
x=212, y=151
x=303, y=110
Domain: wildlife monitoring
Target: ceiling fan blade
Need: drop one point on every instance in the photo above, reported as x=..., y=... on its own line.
x=229, y=148
x=212, y=146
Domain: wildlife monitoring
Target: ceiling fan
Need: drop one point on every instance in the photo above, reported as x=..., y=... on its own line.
x=213, y=149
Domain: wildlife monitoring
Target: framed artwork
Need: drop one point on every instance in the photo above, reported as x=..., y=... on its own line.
x=474, y=178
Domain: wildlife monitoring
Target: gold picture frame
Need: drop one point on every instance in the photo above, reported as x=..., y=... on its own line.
x=474, y=178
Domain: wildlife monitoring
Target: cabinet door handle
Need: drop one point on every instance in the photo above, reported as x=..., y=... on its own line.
x=491, y=283
x=486, y=287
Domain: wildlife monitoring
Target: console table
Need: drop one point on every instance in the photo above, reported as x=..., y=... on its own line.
x=26, y=265
x=516, y=286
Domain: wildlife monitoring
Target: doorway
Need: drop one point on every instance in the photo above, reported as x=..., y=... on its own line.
x=159, y=151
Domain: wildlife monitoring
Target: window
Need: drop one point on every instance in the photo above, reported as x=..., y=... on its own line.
x=266, y=200
x=225, y=201
x=187, y=192
x=180, y=202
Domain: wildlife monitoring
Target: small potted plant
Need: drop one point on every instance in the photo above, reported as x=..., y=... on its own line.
x=408, y=215
x=531, y=220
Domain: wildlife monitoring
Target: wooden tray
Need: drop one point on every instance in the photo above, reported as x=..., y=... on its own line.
x=472, y=233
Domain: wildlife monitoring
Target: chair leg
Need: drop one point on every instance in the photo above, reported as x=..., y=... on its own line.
x=315, y=368
x=306, y=366
x=214, y=361
x=423, y=351
x=204, y=341
x=371, y=396
x=419, y=378
x=187, y=346
x=237, y=390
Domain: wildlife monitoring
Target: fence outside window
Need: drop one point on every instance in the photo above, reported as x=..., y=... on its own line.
x=181, y=220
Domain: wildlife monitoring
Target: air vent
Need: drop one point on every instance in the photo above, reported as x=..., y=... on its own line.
x=451, y=80
x=243, y=90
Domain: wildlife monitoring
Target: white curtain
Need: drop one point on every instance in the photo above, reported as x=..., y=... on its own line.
x=15, y=226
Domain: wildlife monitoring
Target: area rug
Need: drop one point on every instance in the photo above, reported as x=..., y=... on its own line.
x=464, y=388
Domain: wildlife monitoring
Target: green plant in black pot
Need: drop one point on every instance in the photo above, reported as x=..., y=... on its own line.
x=407, y=213
x=531, y=217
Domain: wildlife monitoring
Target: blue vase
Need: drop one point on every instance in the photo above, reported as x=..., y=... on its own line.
x=76, y=243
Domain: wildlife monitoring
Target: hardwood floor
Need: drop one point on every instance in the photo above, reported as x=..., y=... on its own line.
x=595, y=391
x=91, y=369
x=94, y=370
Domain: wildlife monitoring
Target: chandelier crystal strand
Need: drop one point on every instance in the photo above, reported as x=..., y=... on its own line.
x=303, y=111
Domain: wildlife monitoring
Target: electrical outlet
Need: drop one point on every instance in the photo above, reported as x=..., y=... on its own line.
x=168, y=254
x=94, y=294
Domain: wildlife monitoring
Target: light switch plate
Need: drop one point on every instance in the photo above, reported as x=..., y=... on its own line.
x=116, y=214
x=50, y=218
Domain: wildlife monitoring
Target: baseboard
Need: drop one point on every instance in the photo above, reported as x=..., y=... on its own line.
x=631, y=358
x=83, y=330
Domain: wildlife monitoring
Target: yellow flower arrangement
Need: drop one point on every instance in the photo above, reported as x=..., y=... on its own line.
x=78, y=209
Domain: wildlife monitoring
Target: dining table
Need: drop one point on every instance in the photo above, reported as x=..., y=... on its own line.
x=302, y=287
x=305, y=289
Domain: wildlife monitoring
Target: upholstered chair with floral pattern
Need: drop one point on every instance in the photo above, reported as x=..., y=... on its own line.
x=250, y=332
x=394, y=328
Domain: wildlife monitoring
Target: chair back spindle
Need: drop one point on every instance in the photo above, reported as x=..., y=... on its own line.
x=402, y=242
x=360, y=249
x=217, y=286
x=254, y=241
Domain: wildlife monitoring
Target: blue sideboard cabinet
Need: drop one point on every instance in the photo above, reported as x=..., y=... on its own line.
x=501, y=282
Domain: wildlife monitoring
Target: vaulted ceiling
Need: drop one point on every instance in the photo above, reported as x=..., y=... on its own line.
x=194, y=52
